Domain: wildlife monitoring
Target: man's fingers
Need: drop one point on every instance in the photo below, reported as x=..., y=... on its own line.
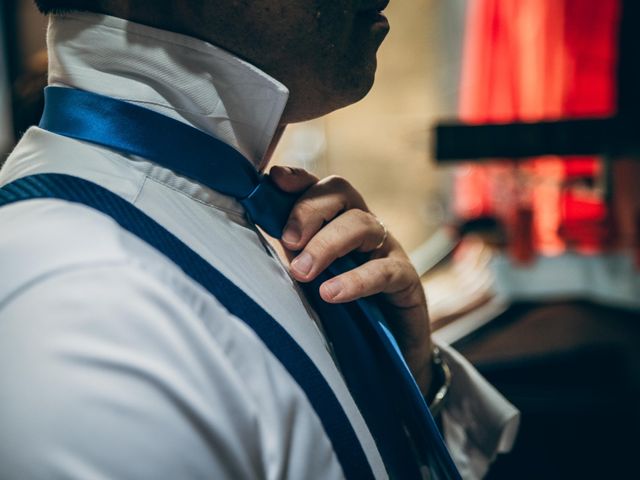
x=385, y=275
x=353, y=230
x=320, y=204
x=291, y=179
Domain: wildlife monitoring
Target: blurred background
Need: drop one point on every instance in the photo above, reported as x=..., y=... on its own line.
x=500, y=146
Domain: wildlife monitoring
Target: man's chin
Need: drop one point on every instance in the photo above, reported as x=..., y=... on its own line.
x=361, y=84
x=340, y=92
x=351, y=96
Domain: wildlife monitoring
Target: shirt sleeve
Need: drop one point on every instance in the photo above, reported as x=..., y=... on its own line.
x=478, y=422
x=92, y=386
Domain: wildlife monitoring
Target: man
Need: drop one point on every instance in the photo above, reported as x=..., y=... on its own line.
x=114, y=363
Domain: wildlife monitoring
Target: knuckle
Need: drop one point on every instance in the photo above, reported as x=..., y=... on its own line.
x=342, y=229
x=298, y=171
x=306, y=207
x=379, y=275
x=371, y=220
x=412, y=294
x=357, y=218
x=357, y=280
x=393, y=270
x=338, y=183
x=360, y=215
x=350, y=232
x=388, y=273
x=320, y=246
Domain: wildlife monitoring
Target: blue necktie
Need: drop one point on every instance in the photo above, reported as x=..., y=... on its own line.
x=374, y=370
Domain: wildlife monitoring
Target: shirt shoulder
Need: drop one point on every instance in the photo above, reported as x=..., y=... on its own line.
x=44, y=236
x=105, y=372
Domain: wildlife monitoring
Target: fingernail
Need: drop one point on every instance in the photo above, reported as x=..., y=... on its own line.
x=288, y=170
x=291, y=234
x=302, y=263
x=333, y=287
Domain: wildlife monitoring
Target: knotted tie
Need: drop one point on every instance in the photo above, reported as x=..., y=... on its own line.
x=368, y=356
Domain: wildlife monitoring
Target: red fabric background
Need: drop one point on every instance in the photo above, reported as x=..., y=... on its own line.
x=528, y=60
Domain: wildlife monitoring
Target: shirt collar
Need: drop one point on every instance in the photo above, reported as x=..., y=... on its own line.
x=182, y=77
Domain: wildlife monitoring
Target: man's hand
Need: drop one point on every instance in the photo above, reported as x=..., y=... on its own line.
x=330, y=220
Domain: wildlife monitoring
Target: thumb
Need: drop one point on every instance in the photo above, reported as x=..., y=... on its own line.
x=292, y=180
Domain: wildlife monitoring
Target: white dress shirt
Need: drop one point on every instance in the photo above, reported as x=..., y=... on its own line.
x=114, y=363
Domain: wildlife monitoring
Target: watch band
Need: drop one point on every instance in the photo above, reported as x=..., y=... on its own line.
x=442, y=373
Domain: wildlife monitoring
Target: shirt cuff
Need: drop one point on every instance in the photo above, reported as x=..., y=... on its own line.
x=478, y=422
